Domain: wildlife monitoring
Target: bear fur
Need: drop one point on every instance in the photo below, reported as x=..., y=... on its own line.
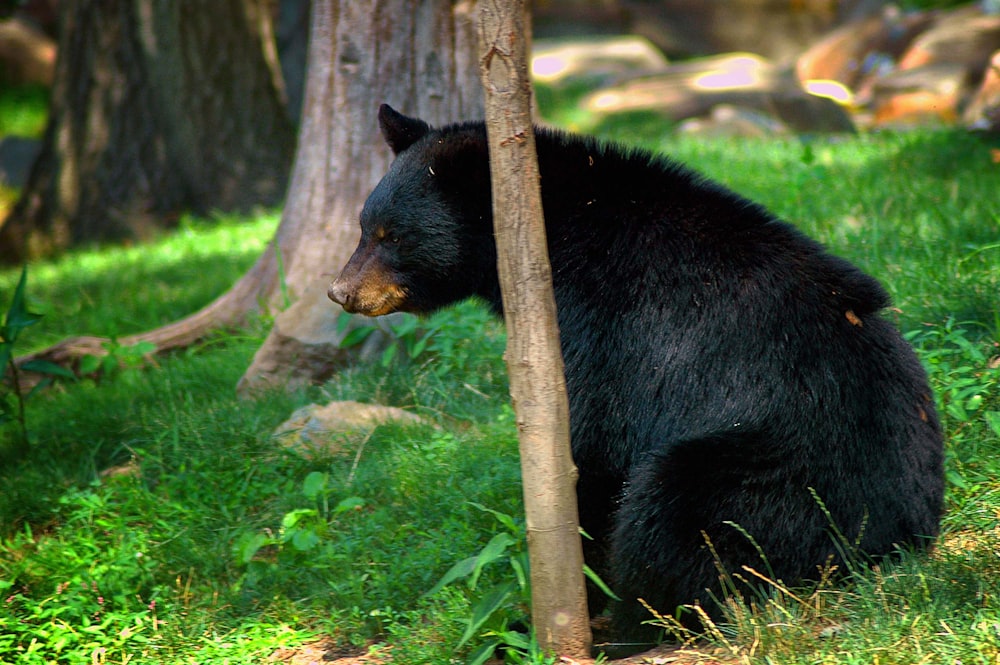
x=727, y=377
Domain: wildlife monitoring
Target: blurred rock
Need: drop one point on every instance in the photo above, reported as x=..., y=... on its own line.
x=322, y=431
x=129, y=469
x=931, y=93
x=776, y=29
x=27, y=55
x=964, y=36
x=692, y=89
x=861, y=49
x=877, y=66
x=983, y=112
x=594, y=59
x=939, y=73
x=726, y=120
x=567, y=19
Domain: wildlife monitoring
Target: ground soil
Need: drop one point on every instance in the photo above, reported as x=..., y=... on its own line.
x=324, y=652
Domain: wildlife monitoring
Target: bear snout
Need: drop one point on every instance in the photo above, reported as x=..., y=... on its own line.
x=345, y=289
x=341, y=294
x=367, y=287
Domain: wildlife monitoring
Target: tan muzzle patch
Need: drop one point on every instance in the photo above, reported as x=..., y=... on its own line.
x=366, y=287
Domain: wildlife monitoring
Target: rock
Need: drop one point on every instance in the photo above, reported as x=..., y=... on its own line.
x=939, y=72
x=965, y=36
x=861, y=49
x=676, y=92
x=327, y=652
x=322, y=431
x=932, y=93
x=571, y=18
x=692, y=89
x=906, y=69
x=129, y=469
x=27, y=55
x=983, y=112
x=303, y=347
x=594, y=59
x=728, y=120
x=776, y=29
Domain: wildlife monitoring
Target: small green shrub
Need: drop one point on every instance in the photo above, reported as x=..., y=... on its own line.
x=445, y=342
x=965, y=378
x=116, y=358
x=491, y=612
x=12, y=396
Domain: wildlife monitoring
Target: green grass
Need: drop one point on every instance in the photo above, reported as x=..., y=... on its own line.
x=23, y=111
x=223, y=547
x=182, y=534
x=119, y=290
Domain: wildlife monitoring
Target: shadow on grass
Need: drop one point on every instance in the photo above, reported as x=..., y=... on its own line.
x=79, y=429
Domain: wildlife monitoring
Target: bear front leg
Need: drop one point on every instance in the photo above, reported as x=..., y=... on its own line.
x=597, y=495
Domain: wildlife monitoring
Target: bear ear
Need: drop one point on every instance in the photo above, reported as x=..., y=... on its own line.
x=400, y=131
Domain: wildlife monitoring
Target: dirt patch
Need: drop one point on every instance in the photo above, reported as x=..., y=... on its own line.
x=325, y=652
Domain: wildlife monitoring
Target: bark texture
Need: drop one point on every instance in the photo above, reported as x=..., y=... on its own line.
x=158, y=107
x=534, y=357
x=420, y=56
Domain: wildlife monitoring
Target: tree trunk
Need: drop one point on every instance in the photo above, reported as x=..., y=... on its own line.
x=418, y=55
x=158, y=107
x=534, y=357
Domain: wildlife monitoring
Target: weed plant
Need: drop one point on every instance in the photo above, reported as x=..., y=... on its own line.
x=154, y=519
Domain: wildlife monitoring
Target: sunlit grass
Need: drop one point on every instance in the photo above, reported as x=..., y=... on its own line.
x=119, y=290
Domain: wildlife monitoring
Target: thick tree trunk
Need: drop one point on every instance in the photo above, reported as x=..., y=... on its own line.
x=534, y=357
x=418, y=55
x=158, y=107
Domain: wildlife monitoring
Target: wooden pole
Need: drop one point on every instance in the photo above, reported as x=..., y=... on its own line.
x=534, y=356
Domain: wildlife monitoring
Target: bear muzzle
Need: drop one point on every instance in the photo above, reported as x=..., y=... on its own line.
x=366, y=287
x=342, y=295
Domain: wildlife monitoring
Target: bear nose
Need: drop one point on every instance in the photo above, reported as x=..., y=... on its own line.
x=339, y=294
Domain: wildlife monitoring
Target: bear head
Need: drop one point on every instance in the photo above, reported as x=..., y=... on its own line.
x=427, y=227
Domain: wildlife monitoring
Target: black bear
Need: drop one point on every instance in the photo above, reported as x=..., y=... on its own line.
x=727, y=376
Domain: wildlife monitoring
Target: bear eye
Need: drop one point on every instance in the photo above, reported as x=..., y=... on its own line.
x=382, y=235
